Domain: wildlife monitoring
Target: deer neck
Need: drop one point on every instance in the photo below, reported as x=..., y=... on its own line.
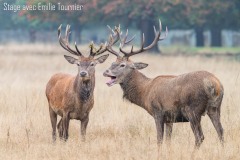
x=84, y=89
x=134, y=87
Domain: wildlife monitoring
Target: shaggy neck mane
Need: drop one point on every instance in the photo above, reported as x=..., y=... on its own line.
x=134, y=86
x=84, y=89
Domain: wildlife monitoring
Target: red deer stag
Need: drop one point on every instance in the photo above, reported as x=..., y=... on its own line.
x=71, y=97
x=168, y=98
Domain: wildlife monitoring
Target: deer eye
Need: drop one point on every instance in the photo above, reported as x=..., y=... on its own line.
x=122, y=65
x=92, y=64
x=78, y=64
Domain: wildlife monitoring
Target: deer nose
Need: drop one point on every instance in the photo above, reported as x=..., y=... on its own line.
x=106, y=72
x=83, y=74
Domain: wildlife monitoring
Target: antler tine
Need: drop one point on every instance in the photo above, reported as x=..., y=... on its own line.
x=59, y=30
x=160, y=25
x=67, y=33
x=166, y=33
x=160, y=29
x=155, y=31
x=143, y=40
x=100, y=47
x=117, y=35
x=61, y=41
x=113, y=39
x=99, y=51
x=130, y=40
x=127, y=41
x=103, y=48
x=91, y=49
x=60, y=38
x=142, y=49
x=113, y=52
x=77, y=49
x=111, y=42
x=124, y=41
x=111, y=30
x=65, y=43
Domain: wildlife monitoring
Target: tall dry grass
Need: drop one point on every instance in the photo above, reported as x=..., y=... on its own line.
x=117, y=129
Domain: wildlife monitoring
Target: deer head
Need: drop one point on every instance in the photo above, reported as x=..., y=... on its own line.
x=123, y=66
x=86, y=65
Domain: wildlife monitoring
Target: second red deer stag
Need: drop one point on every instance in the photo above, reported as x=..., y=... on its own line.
x=168, y=98
x=71, y=97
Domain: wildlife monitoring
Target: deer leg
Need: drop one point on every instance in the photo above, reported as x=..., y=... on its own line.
x=169, y=131
x=53, y=117
x=195, y=122
x=65, y=125
x=84, y=124
x=214, y=115
x=60, y=129
x=158, y=117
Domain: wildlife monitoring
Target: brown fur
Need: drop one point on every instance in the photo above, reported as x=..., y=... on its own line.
x=170, y=99
x=176, y=97
x=167, y=90
x=71, y=97
x=64, y=93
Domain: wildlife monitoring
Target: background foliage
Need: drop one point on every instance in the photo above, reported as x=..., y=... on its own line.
x=199, y=15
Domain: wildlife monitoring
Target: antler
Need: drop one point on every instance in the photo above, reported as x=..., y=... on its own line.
x=123, y=40
x=112, y=39
x=65, y=42
x=100, y=50
x=142, y=49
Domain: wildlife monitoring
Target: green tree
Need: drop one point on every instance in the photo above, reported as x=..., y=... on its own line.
x=217, y=19
x=57, y=17
x=213, y=15
x=203, y=14
x=142, y=14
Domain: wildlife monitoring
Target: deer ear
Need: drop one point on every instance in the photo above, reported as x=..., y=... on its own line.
x=71, y=59
x=102, y=58
x=140, y=65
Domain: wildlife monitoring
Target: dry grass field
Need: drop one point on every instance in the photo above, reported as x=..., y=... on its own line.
x=117, y=129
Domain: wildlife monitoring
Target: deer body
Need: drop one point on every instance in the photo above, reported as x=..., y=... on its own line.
x=172, y=99
x=71, y=97
x=172, y=94
x=168, y=98
x=67, y=93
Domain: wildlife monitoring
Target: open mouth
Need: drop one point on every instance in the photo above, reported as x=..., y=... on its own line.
x=112, y=80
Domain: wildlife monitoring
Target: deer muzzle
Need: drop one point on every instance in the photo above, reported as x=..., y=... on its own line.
x=113, y=79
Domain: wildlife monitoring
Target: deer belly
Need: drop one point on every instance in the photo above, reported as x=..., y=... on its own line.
x=174, y=117
x=75, y=115
x=78, y=114
x=181, y=118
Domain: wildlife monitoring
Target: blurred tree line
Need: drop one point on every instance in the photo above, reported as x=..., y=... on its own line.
x=200, y=15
